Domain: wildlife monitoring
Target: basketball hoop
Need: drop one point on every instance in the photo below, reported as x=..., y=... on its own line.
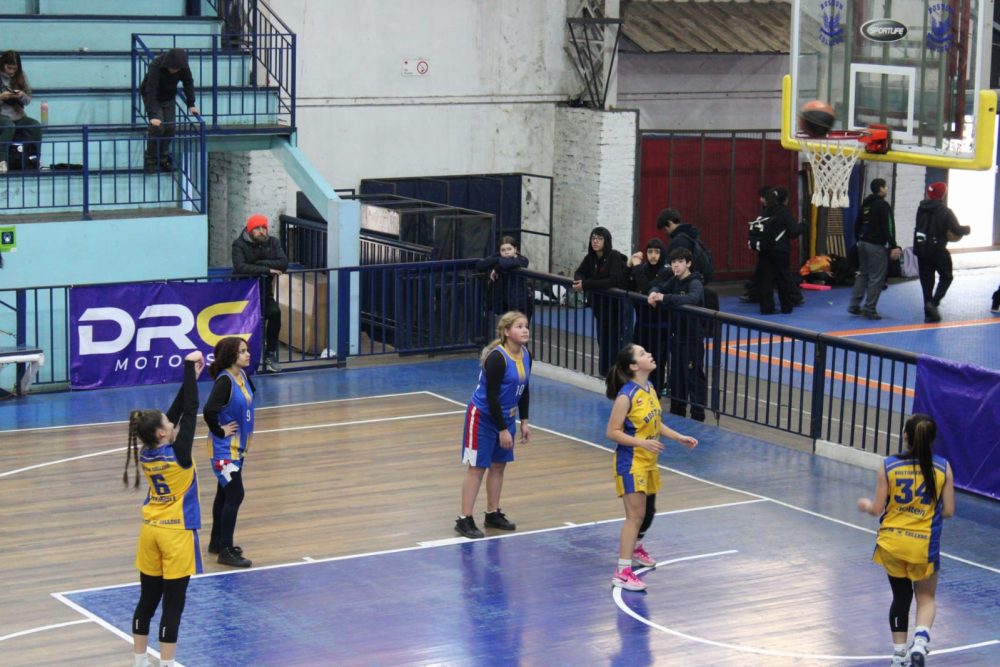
x=832, y=157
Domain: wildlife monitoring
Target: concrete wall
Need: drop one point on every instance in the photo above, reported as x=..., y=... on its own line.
x=594, y=181
x=495, y=70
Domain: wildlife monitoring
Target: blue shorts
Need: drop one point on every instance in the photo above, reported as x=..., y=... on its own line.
x=481, y=441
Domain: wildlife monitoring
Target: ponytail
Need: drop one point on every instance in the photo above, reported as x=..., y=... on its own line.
x=621, y=373
x=132, y=448
x=921, y=430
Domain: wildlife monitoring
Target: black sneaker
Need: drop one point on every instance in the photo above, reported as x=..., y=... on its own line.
x=214, y=549
x=228, y=556
x=931, y=313
x=466, y=527
x=854, y=310
x=870, y=315
x=499, y=520
x=995, y=308
x=150, y=167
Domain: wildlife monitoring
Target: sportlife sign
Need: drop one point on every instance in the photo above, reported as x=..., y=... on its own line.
x=124, y=335
x=883, y=30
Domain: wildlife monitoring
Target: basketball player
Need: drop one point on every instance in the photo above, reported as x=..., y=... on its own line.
x=914, y=491
x=168, y=552
x=490, y=422
x=229, y=413
x=635, y=426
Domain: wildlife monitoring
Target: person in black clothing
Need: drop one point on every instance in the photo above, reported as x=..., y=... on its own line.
x=257, y=254
x=943, y=222
x=159, y=92
x=686, y=346
x=508, y=291
x=679, y=234
x=774, y=253
x=874, y=238
x=604, y=268
x=750, y=295
x=645, y=273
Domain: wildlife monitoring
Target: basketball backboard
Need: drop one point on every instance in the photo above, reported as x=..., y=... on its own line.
x=921, y=67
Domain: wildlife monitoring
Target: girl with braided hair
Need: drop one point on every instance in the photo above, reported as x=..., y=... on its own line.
x=914, y=491
x=168, y=553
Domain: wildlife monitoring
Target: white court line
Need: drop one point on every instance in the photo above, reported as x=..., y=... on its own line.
x=616, y=594
x=104, y=624
x=266, y=407
x=43, y=628
x=748, y=493
x=271, y=430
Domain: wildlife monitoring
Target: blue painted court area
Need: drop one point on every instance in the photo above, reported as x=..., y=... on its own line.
x=545, y=598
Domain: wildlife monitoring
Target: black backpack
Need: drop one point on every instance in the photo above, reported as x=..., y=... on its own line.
x=926, y=240
x=759, y=237
x=702, y=258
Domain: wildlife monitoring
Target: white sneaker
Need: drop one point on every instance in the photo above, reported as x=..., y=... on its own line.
x=918, y=655
x=900, y=660
x=3, y=167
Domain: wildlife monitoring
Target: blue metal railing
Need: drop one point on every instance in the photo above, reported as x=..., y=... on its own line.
x=797, y=381
x=101, y=166
x=248, y=76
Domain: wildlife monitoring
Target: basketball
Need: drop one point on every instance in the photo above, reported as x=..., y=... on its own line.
x=816, y=118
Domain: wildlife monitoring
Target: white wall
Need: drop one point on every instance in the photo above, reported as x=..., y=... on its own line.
x=495, y=70
x=702, y=91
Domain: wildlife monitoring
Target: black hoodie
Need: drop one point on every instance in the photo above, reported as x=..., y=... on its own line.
x=160, y=85
x=604, y=271
x=643, y=277
x=943, y=220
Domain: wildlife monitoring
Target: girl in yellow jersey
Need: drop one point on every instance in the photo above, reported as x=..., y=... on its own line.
x=914, y=491
x=168, y=552
x=636, y=427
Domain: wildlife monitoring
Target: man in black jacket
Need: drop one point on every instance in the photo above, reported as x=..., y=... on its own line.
x=259, y=255
x=602, y=269
x=875, y=240
x=942, y=223
x=159, y=91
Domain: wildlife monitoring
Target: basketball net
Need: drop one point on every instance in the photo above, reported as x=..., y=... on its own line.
x=832, y=158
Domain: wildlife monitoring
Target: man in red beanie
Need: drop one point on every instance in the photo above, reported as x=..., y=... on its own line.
x=935, y=222
x=257, y=254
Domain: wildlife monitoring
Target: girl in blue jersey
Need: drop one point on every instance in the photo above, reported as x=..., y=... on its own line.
x=490, y=421
x=635, y=426
x=914, y=491
x=167, y=554
x=229, y=413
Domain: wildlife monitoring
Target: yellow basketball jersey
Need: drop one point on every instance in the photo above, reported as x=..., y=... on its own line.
x=910, y=526
x=172, y=500
x=642, y=421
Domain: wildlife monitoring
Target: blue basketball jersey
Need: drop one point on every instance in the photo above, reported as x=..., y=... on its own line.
x=515, y=379
x=172, y=500
x=239, y=409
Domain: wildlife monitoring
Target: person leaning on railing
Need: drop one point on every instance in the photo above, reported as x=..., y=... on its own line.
x=259, y=255
x=158, y=89
x=15, y=97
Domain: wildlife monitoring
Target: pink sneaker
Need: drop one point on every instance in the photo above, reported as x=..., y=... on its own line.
x=626, y=579
x=642, y=559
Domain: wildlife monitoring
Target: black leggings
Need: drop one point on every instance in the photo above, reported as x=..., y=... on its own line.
x=899, y=611
x=647, y=520
x=173, y=592
x=227, y=503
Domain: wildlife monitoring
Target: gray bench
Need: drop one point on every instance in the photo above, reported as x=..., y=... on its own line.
x=32, y=356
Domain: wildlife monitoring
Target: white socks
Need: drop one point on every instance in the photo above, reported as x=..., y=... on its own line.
x=623, y=563
x=141, y=660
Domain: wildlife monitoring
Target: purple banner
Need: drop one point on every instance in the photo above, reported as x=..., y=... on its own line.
x=964, y=400
x=129, y=334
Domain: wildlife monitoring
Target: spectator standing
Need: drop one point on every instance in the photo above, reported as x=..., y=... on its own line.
x=159, y=90
x=259, y=255
x=774, y=253
x=15, y=97
x=876, y=245
x=508, y=290
x=940, y=221
x=686, y=346
x=644, y=274
x=604, y=268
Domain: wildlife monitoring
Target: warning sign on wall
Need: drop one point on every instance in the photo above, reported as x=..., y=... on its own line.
x=416, y=67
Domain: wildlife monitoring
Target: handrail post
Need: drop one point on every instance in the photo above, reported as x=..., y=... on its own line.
x=203, y=166
x=134, y=59
x=343, y=315
x=292, y=68
x=86, y=172
x=818, y=391
x=215, y=82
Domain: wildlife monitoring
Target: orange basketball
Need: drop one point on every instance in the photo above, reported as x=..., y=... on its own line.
x=816, y=118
